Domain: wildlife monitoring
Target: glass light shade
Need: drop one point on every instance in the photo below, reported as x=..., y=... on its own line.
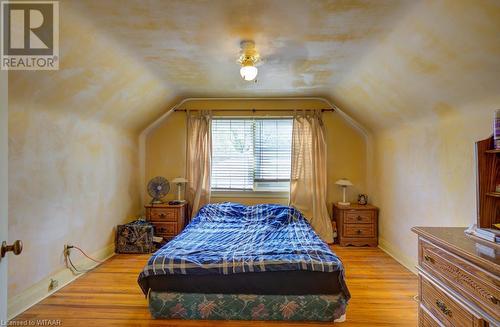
x=248, y=73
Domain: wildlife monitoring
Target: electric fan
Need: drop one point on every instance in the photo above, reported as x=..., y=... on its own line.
x=158, y=188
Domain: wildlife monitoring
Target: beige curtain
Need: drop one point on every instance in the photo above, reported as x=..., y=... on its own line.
x=198, y=161
x=308, y=180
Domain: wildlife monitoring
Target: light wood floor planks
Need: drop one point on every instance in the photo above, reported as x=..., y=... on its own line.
x=382, y=295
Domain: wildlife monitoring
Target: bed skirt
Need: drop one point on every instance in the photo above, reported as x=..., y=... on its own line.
x=167, y=305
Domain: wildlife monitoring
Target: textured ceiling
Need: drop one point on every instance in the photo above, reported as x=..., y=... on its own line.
x=384, y=62
x=307, y=46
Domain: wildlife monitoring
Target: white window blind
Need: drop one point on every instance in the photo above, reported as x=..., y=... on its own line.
x=232, y=154
x=251, y=154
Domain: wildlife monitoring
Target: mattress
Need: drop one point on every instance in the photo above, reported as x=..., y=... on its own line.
x=262, y=283
x=230, y=248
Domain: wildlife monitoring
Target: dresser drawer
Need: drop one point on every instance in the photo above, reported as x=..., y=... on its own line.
x=164, y=214
x=443, y=307
x=477, y=285
x=425, y=319
x=359, y=230
x=165, y=229
x=358, y=217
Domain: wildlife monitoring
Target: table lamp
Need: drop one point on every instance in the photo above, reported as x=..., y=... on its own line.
x=179, y=181
x=344, y=183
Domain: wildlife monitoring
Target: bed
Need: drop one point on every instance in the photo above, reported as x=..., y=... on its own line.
x=260, y=262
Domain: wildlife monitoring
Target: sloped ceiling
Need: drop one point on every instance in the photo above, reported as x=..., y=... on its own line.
x=384, y=62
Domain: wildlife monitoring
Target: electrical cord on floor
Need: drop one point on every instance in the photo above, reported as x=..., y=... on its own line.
x=71, y=266
x=75, y=270
x=85, y=254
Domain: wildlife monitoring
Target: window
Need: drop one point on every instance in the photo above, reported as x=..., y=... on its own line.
x=251, y=154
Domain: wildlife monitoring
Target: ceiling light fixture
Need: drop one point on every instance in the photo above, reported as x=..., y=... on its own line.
x=248, y=59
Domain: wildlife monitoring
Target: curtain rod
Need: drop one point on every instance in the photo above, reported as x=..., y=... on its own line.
x=254, y=110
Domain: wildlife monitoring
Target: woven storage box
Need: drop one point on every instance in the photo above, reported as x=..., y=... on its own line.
x=134, y=237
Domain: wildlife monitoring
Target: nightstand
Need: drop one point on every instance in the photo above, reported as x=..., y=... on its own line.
x=168, y=220
x=357, y=225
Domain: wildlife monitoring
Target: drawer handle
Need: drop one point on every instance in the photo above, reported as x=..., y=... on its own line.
x=359, y=231
x=428, y=259
x=359, y=218
x=162, y=215
x=443, y=308
x=493, y=299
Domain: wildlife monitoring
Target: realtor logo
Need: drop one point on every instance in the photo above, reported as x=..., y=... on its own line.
x=30, y=35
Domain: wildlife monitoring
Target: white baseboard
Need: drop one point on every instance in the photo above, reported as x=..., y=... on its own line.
x=39, y=291
x=397, y=255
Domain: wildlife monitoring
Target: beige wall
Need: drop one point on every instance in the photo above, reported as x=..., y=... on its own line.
x=425, y=175
x=3, y=189
x=73, y=149
x=427, y=90
x=71, y=181
x=166, y=146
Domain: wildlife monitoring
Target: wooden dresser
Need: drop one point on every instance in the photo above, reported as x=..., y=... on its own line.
x=168, y=220
x=459, y=278
x=356, y=224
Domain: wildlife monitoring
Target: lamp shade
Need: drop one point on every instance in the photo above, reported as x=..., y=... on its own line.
x=179, y=180
x=343, y=182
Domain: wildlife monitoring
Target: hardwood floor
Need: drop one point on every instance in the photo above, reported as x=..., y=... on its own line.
x=382, y=295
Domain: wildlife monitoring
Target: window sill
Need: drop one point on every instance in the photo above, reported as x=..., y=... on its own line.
x=250, y=194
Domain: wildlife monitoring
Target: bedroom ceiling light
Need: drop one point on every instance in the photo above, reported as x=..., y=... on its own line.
x=248, y=59
x=248, y=72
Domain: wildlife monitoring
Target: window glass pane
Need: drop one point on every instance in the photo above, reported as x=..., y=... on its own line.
x=251, y=154
x=273, y=143
x=232, y=154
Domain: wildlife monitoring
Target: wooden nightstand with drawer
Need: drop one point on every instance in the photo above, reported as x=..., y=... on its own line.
x=357, y=225
x=168, y=220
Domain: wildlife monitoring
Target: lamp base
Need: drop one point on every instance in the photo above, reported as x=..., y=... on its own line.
x=344, y=203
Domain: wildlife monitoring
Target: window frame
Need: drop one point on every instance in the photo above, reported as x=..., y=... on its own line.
x=262, y=193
